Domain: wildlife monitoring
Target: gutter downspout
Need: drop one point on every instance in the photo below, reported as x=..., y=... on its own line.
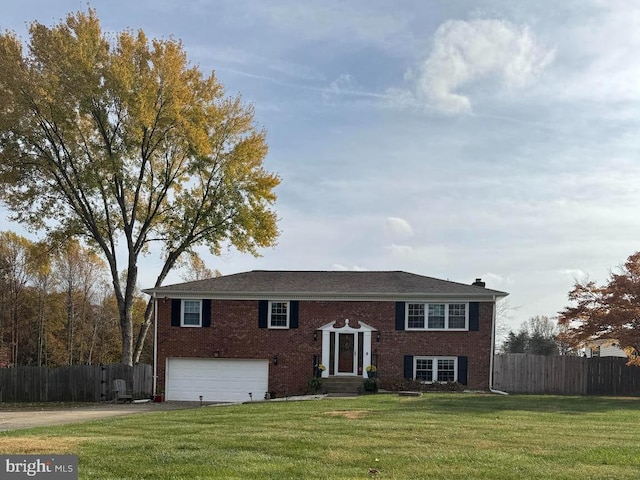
x=493, y=350
x=155, y=344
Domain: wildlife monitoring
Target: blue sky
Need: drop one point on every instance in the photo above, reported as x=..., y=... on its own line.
x=465, y=139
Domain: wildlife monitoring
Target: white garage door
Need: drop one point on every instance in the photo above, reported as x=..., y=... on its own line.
x=216, y=379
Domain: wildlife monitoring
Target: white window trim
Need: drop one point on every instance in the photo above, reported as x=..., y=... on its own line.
x=435, y=368
x=182, y=324
x=270, y=309
x=446, y=317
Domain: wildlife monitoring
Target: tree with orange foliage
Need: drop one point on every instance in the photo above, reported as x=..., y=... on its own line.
x=611, y=311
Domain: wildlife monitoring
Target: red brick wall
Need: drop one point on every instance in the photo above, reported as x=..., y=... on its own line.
x=395, y=344
x=234, y=333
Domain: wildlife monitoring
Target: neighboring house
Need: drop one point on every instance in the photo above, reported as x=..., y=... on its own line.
x=603, y=348
x=237, y=337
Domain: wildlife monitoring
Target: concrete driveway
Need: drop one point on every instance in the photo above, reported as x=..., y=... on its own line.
x=15, y=416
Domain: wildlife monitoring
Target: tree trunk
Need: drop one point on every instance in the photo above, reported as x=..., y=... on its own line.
x=125, y=305
x=127, y=337
x=14, y=336
x=71, y=313
x=172, y=258
x=126, y=326
x=144, y=330
x=41, y=330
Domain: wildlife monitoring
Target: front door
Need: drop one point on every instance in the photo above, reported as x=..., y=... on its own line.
x=346, y=353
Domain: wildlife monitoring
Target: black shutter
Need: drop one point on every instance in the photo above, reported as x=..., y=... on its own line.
x=400, y=306
x=408, y=367
x=294, y=305
x=206, y=313
x=263, y=313
x=474, y=316
x=462, y=370
x=176, y=304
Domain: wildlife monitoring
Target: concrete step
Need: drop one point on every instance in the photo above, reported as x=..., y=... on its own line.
x=343, y=385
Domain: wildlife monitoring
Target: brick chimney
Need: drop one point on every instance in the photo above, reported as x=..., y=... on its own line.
x=479, y=283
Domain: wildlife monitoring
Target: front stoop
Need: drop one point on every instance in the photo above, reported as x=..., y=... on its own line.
x=343, y=386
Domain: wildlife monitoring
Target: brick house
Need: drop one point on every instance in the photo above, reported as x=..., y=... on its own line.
x=237, y=337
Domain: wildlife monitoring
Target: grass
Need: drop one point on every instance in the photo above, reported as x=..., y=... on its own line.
x=448, y=436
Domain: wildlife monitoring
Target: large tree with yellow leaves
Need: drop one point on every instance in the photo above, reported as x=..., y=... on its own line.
x=118, y=140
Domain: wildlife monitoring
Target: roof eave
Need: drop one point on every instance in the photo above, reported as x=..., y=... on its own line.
x=325, y=296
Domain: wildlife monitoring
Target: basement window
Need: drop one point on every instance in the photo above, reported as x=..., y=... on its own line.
x=435, y=369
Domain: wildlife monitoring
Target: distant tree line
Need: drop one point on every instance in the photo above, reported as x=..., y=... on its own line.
x=538, y=336
x=56, y=305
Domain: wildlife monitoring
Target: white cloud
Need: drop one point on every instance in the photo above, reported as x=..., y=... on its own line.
x=467, y=51
x=399, y=227
x=400, y=250
x=239, y=60
x=343, y=84
x=399, y=99
x=343, y=268
x=574, y=273
x=347, y=86
x=494, y=280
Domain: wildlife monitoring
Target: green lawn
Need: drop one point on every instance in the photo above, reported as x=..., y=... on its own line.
x=451, y=436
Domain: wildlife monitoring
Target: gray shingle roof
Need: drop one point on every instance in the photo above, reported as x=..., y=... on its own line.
x=324, y=284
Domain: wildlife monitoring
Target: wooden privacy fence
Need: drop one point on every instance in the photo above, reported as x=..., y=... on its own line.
x=564, y=375
x=76, y=383
x=611, y=376
x=525, y=373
